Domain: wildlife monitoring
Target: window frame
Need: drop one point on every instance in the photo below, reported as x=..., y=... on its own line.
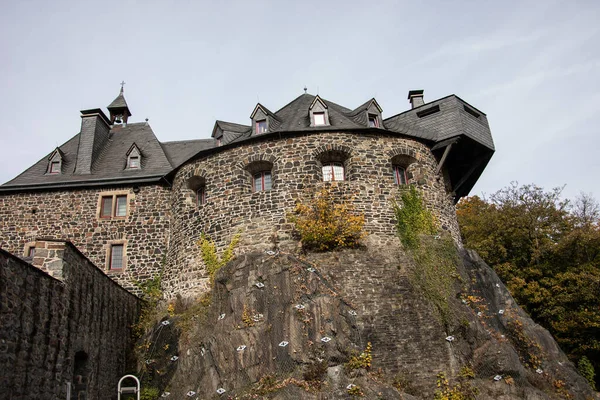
x=103, y=200
x=262, y=175
x=332, y=165
x=57, y=170
x=258, y=125
x=398, y=175
x=375, y=119
x=131, y=165
x=114, y=209
x=109, y=255
x=200, y=196
x=320, y=114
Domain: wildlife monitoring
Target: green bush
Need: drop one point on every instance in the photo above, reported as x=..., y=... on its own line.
x=211, y=259
x=586, y=369
x=413, y=219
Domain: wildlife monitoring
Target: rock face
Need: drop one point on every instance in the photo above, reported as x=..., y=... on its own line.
x=283, y=327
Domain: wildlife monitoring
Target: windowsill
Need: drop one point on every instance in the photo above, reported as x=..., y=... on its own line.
x=123, y=218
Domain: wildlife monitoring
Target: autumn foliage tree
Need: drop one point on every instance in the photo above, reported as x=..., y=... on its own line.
x=547, y=251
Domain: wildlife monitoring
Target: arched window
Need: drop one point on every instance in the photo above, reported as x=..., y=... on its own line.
x=402, y=167
x=400, y=175
x=261, y=175
x=333, y=171
x=197, y=184
x=262, y=181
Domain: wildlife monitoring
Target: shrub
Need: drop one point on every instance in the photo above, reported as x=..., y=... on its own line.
x=211, y=259
x=363, y=360
x=324, y=224
x=413, y=219
x=586, y=369
x=462, y=390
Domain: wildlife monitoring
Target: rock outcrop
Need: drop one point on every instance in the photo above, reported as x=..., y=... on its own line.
x=284, y=327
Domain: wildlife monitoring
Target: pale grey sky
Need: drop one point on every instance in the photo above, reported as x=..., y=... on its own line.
x=532, y=67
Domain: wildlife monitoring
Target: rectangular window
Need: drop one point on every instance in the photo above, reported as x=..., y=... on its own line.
x=399, y=175
x=319, y=118
x=134, y=162
x=373, y=121
x=116, y=257
x=333, y=172
x=113, y=206
x=106, y=207
x=262, y=181
x=261, y=126
x=31, y=252
x=200, y=196
x=55, y=167
x=121, y=208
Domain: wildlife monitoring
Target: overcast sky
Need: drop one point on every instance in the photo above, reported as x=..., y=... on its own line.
x=532, y=67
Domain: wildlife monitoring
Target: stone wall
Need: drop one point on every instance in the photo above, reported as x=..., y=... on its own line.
x=262, y=217
x=73, y=215
x=75, y=329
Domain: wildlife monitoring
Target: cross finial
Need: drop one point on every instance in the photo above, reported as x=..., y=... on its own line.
x=305, y=89
x=122, y=84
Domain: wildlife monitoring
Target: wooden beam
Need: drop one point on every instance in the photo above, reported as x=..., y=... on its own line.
x=441, y=163
x=466, y=176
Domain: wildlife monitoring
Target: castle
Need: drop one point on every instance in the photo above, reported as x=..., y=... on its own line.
x=135, y=206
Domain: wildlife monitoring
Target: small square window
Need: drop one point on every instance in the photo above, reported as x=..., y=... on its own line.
x=261, y=126
x=134, y=162
x=116, y=257
x=333, y=172
x=55, y=167
x=113, y=206
x=373, y=121
x=106, y=207
x=262, y=181
x=400, y=175
x=319, y=118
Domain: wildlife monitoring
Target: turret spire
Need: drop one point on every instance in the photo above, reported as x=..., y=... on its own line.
x=119, y=110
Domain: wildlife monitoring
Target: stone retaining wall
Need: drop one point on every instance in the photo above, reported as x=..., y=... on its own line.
x=75, y=329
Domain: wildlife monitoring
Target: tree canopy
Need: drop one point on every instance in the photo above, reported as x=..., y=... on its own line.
x=547, y=251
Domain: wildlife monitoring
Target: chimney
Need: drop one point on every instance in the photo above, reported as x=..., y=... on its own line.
x=95, y=128
x=416, y=98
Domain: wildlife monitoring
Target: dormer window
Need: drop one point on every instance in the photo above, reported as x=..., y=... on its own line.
x=134, y=158
x=219, y=142
x=319, y=113
x=261, y=126
x=319, y=118
x=55, y=167
x=134, y=162
x=373, y=121
x=54, y=163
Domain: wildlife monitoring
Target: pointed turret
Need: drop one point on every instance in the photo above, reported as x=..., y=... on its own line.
x=119, y=110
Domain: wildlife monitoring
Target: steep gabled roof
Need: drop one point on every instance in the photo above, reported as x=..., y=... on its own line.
x=109, y=165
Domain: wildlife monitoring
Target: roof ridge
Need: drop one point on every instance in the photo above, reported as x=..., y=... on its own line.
x=190, y=140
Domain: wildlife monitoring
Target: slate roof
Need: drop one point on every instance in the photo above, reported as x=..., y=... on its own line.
x=455, y=119
x=450, y=121
x=109, y=165
x=119, y=102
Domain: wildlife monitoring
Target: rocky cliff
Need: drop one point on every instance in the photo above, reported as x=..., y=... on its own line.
x=355, y=323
